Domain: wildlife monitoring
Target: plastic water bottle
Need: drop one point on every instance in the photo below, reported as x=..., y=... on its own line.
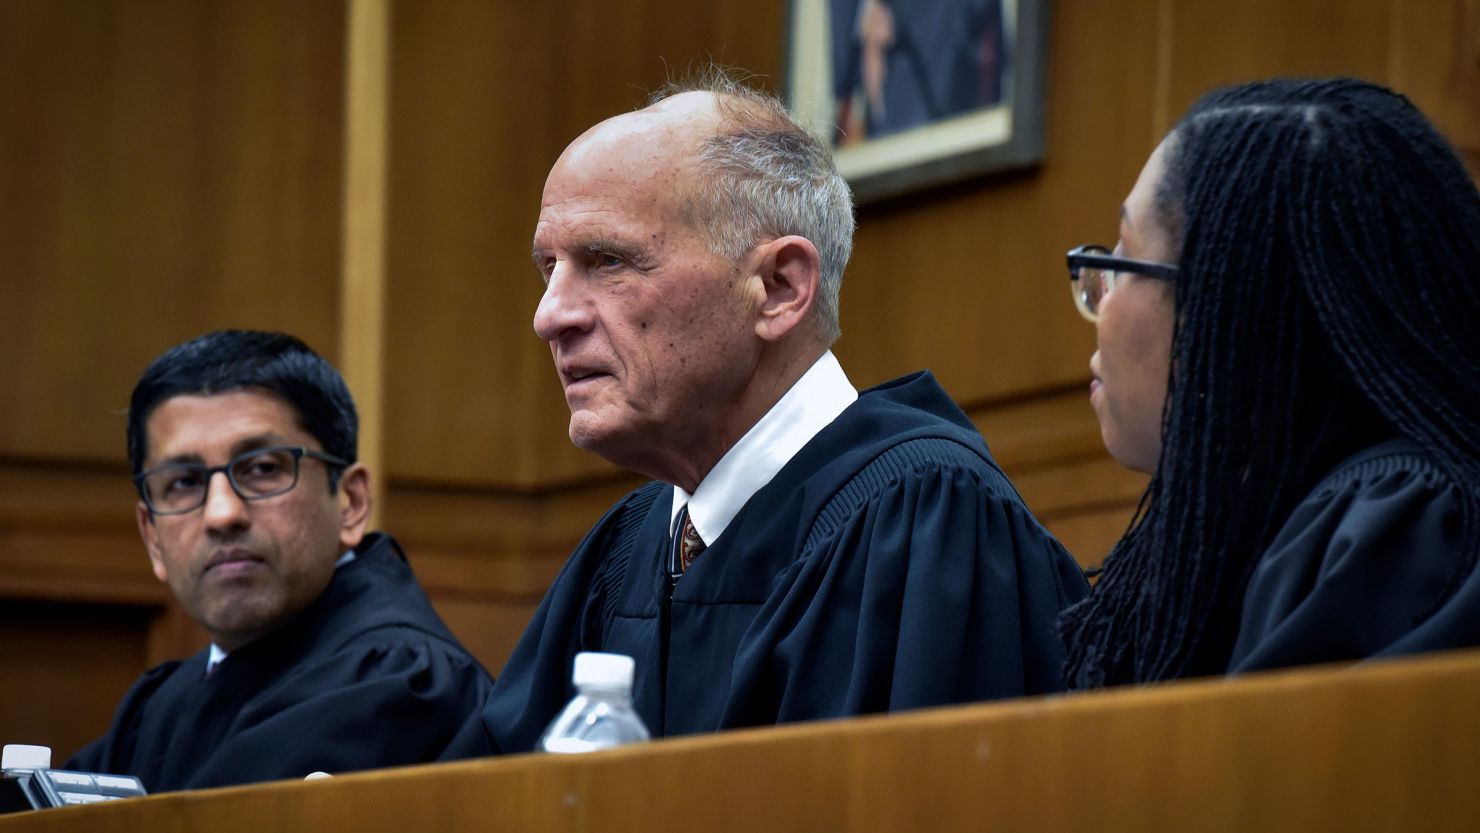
x=600, y=716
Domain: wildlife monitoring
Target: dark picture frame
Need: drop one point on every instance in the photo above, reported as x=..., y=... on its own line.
x=917, y=93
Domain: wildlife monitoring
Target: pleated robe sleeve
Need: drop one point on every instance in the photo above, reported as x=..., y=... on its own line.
x=931, y=584
x=372, y=705
x=1370, y=564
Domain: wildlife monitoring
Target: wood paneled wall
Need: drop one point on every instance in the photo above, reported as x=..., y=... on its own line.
x=166, y=167
x=173, y=166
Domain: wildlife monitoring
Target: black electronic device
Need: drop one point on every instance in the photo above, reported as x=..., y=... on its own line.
x=63, y=788
x=28, y=783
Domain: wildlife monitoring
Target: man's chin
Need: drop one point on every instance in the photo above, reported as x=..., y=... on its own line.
x=240, y=624
x=594, y=443
x=599, y=438
x=589, y=432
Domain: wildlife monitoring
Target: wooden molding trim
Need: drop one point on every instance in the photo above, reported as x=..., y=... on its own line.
x=363, y=278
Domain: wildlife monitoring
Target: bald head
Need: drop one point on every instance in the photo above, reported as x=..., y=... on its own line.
x=691, y=113
x=667, y=133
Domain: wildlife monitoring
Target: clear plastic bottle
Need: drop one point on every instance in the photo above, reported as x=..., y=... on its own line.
x=600, y=716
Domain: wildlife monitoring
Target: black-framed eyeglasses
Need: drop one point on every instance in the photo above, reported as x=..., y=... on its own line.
x=177, y=488
x=1094, y=272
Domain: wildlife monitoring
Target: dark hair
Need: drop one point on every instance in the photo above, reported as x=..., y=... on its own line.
x=229, y=360
x=1329, y=239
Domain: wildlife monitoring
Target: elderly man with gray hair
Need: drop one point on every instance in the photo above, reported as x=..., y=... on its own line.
x=805, y=551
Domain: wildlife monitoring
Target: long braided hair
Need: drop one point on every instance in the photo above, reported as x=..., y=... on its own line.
x=1328, y=297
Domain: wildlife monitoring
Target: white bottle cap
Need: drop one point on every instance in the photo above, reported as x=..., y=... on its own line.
x=25, y=756
x=604, y=670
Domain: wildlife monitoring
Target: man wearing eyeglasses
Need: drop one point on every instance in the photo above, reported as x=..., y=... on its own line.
x=325, y=654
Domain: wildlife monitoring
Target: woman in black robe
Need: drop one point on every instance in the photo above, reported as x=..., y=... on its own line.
x=1289, y=343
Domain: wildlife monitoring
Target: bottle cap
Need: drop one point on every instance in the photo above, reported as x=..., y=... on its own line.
x=25, y=756
x=603, y=670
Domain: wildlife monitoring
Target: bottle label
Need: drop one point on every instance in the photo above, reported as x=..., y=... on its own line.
x=568, y=745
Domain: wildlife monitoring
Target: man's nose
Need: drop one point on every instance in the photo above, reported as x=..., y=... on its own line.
x=563, y=307
x=224, y=508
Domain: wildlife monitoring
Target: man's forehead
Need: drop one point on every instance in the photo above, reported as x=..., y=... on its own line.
x=192, y=419
x=673, y=126
x=630, y=169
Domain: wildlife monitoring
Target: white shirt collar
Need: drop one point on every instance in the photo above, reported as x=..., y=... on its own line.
x=217, y=654
x=811, y=405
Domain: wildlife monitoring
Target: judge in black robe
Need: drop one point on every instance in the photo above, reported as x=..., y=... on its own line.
x=1365, y=566
x=889, y=565
x=366, y=676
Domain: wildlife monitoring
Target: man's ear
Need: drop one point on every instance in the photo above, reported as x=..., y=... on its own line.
x=354, y=505
x=791, y=277
x=150, y=533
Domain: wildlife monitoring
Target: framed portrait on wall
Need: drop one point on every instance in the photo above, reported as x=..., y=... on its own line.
x=914, y=93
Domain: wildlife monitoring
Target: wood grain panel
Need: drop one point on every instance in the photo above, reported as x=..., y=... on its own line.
x=66, y=667
x=77, y=566
x=1089, y=534
x=1090, y=486
x=487, y=557
x=52, y=494
x=169, y=166
x=1435, y=61
x=489, y=519
x=1384, y=747
x=68, y=533
x=362, y=278
x=166, y=167
x=488, y=629
x=1214, y=45
x=1034, y=431
x=1049, y=446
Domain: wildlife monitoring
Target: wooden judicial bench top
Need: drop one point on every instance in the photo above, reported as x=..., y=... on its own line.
x=1381, y=746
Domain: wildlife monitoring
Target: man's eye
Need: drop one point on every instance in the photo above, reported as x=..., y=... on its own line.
x=603, y=256
x=182, y=482
x=260, y=467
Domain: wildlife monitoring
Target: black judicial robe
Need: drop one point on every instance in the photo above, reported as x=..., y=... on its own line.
x=1369, y=564
x=889, y=565
x=366, y=676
